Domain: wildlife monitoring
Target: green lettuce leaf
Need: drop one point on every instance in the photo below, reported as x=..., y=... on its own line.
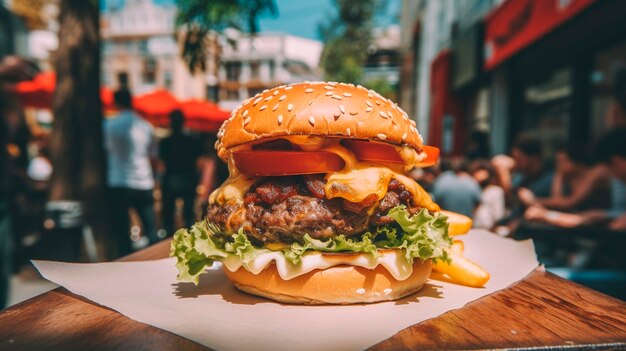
x=422, y=236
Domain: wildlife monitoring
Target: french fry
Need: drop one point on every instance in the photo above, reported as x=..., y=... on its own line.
x=463, y=271
x=458, y=247
x=458, y=224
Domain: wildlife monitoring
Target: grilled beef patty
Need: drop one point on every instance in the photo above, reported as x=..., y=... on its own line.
x=284, y=209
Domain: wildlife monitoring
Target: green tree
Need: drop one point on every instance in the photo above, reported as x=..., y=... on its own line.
x=347, y=34
x=201, y=16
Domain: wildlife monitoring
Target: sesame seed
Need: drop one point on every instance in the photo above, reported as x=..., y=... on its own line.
x=239, y=107
x=404, y=136
x=312, y=120
x=348, y=131
x=263, y=107
x=256, y=101
x=360, y=291
x=383, y=114
x=288, y=87
x=265, y=91
x=329, y=87
x=282, y=98
x=342, y=109
x=387, y=291
x=310, y=90
x=347, y=94
x=337, y=114
x=369, y=109
x=275, y=92
x=289, y=107
x=280, y=119
x=369, y=103
x=337, y=97
x=354, y=113
x=389, y=114
x=268, y=98
x=369, y=95
x=245, y=113
x=275, y=107
x=246, y=121
x=381, y=136
x=329, y=93
x=413, y=123
x=377, y=102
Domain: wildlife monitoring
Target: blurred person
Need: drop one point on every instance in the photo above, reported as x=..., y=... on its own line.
x=455, y=190
x=214, y=171
x=611, y=151
x=179, y=153
x=524, y=169
x=478, y=146
x=492, y=206
x=578, y=184
x=129, y=142
x=12, y=70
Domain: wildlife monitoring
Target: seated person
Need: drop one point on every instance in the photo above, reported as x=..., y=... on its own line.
x=578, y=184
x=455, y=190
x=612, y=152
x=491, y=208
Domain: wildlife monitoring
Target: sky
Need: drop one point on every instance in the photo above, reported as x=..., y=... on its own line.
x=299, y=17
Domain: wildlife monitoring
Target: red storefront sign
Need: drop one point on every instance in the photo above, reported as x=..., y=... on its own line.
x=445, y=129
x=517, y=23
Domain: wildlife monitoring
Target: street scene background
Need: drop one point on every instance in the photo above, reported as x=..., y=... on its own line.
x=526, y=100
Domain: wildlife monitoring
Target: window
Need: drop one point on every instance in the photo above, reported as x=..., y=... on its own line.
x=232, y=95
x=272, y=70
x=255, y=67
x=233, y=70
x=608, y=90
x=149, y=70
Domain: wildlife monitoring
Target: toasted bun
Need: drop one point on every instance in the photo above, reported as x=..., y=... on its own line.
x=320, y=109
x=342, y=284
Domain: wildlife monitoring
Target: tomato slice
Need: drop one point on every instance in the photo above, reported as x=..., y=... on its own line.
x=279, y=163
x=379, y=152
x=432, y=155
x=373, y=151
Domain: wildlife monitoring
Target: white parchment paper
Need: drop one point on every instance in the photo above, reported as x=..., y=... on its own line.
x=217, y=315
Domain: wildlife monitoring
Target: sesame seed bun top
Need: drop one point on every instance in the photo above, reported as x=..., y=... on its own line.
x=318, y=109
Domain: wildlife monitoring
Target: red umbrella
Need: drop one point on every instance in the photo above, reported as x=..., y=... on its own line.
x=39, y=92
x=202, y=115
x=156, y=106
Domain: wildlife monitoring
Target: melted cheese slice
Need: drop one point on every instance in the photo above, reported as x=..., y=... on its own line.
x=393, y=260
x=233, y=189
x=359, y=179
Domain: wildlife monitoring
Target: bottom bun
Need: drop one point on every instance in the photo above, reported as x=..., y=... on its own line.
x=343, y=284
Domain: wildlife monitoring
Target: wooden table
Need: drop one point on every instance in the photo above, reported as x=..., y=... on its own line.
x=542, y=310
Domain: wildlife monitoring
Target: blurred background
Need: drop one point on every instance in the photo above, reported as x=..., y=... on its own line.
x=109, y=111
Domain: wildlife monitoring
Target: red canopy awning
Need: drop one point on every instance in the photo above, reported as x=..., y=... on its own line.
x=202, y=115
x=39, y=92
x=156, y=106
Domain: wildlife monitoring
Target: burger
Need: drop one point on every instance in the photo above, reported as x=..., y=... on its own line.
x=318, y=207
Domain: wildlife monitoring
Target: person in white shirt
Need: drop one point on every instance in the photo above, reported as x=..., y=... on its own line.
x=492, y=206
x=130, y=145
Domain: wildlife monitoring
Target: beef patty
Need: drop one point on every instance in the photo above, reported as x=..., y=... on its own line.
x=284, y=209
